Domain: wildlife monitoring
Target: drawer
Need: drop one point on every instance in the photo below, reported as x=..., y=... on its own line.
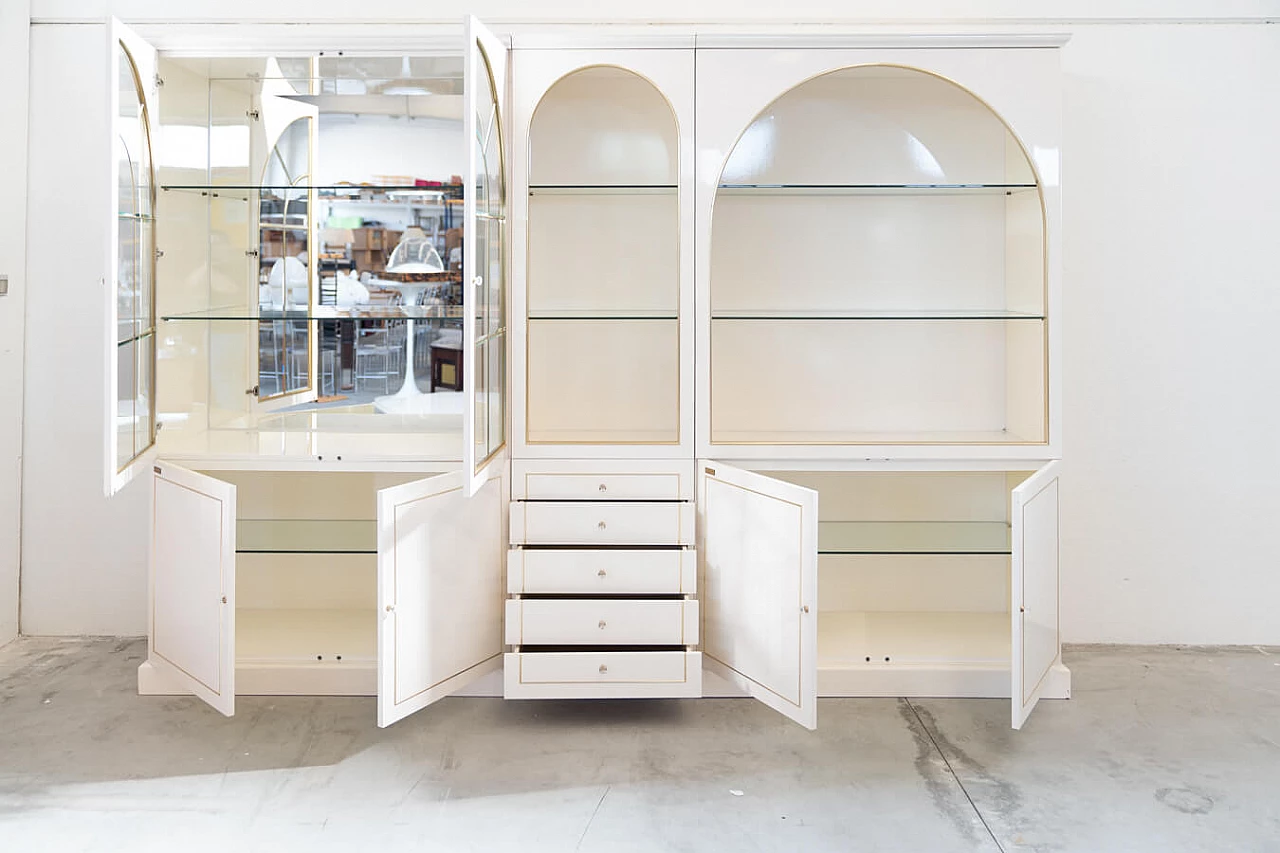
x=601, y=674
x=602, y=622
x=604, y=487
x=601, y=523
x=611, y=572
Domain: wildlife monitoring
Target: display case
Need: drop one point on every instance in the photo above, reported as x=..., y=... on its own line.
x=880, y=274
x=603, y=294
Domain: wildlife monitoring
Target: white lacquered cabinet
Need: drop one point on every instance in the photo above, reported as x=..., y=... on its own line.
x=783, y=404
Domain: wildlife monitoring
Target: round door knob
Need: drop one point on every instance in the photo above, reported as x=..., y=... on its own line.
x=603, y=487
x=601, y=525
x=603, y=668
x=602, y=624
x=600, y=573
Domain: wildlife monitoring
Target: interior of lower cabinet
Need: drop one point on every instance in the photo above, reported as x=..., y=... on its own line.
x=306, y=575
x=878, y=270
x=914, y=577
x=603, y=309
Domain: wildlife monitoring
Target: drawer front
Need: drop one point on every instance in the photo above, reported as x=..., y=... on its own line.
x=602, y=675
x=602, y=622
x=603, y=487
x=601, y=523
x=602, y=667
x=612, y=572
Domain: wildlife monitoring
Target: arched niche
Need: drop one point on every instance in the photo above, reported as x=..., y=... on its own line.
x=877, y=261
x=603, y=280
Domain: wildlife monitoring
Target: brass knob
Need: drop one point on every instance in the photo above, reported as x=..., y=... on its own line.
x=603, y=487
x=600, y=573
x=603, y=669
x=601, y=624
x=390, y=608
x=601, y=525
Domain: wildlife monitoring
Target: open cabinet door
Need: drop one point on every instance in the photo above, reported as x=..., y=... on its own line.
x=439, y=590
x=1034, y=605
x=758, y=545
x=282, y=133
x=484, y=268
x=193, y=583
x=130, y=403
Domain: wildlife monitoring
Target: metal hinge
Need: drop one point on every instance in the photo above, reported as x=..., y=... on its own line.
x=251, y=392
x=159, y=82
x=253, y=114
x=251, y=253
x=159, y=254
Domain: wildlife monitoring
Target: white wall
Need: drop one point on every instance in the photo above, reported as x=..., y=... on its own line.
x=84, y=568
x=13, y=263
x=1171, y=356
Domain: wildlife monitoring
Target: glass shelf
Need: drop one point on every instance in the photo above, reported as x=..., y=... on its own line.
x=306, y=536
x=332, y=189
x=602, y=314
x=914, y=537
x=602, y=189
x=325, y=312
x=879, y=314
x=872, y=189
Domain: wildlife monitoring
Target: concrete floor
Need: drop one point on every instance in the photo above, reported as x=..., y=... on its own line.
x=1160, y=750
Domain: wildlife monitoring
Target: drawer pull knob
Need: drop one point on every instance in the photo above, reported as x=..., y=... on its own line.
x=604, y=668
x=601, y=525
x=601, y=624
x=600, y=573
x=603, y=487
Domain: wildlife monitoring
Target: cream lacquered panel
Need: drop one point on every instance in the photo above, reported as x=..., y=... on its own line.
x=599, y=674
x=605, y=253
x=604, y=381
x=832, y=382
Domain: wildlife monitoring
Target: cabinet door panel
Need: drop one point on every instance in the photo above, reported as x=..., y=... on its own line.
x=193, y=576
x=484, y=323
x=1036, y=641
x=758, y=540
x=439, y=590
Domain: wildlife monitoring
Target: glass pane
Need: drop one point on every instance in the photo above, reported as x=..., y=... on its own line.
x=493, y=289
x=126, y=355
x=496, y=386
x=144, y=398
x=297, y=345
x=143, y=304
x=479, y=369
x=476, y=295
x=127, y=276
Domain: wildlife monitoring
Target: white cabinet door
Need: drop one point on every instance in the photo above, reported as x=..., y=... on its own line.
x=758, y=544
x=484, y=264
x=440, y=556
x=193, y=583
x=1036, y=643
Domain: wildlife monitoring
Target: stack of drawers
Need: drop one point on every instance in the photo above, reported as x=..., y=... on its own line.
x=601, y=576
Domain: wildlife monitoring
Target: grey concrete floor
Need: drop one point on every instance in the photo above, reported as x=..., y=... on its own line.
x=1160, y=750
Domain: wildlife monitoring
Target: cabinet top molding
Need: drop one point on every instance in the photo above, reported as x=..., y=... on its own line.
x=798, y=40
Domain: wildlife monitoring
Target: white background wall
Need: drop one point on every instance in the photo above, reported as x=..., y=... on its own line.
x=13, y=253
x=1172, y=110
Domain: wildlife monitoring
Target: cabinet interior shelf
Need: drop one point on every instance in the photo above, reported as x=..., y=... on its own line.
x=880, y=314
x=602, y=189
x=337, y=190
x=319, y=637
x=872, y=189
x=857, y=639
x=324, y=312
x=914, y=537
x=306, y=536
